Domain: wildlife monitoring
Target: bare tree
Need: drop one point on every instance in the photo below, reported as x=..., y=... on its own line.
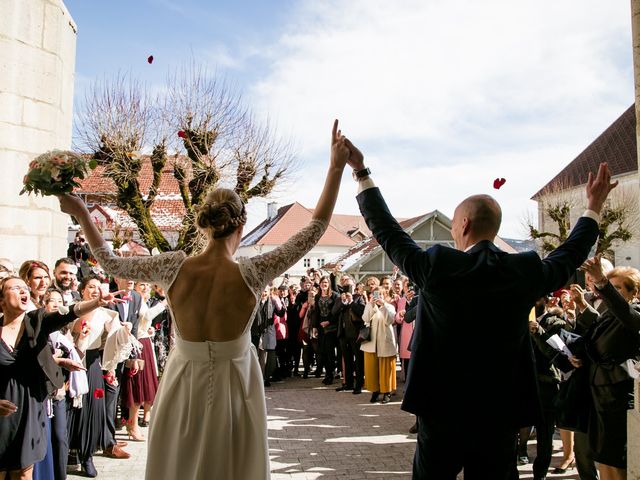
x=619, y=220
x=200, y=125
x=556, y=203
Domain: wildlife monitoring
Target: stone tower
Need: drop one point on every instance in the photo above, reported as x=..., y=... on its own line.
x=37, y=64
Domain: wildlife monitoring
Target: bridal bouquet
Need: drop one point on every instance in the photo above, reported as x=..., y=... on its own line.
x=56, y=172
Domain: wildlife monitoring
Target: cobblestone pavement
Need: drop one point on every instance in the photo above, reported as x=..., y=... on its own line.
x=318, y=433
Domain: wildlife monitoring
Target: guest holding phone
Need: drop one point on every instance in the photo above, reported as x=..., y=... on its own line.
x=380, y=351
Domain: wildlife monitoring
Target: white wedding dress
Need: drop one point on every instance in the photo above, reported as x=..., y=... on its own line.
x=209, y=417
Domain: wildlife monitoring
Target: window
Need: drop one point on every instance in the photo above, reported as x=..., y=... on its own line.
x=306, y=262
x=320, y=262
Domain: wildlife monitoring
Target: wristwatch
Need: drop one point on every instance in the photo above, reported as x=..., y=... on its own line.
x=360, y=174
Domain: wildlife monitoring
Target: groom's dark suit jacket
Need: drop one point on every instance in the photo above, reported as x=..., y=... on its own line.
x=471, y=359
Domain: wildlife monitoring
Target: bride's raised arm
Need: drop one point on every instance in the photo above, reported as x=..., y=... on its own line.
x=269, y=265
x=163, y=268
x=159, y=269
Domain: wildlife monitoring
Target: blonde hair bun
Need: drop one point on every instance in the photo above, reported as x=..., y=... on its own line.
x=222, y=213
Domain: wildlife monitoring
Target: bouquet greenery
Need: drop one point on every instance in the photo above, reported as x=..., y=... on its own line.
x=56, y=172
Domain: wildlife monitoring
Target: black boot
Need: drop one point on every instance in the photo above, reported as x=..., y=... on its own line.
x=89, y=468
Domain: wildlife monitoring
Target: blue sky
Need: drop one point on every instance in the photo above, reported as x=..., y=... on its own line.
x=442, y=97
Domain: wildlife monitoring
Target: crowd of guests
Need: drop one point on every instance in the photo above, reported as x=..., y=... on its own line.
x=328, y=326
x=67, y=386
x=95, y=370
x=587, y=391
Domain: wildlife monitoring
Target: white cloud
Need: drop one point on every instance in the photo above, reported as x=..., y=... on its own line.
x=445, y=96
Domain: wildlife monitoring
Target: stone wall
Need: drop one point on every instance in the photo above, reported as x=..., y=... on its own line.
x=37, y=64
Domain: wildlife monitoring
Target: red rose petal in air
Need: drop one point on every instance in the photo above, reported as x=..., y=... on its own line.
x=158, y=326
x=98, y=393
x=182, y=134
x=150, y=59
x=498, y=182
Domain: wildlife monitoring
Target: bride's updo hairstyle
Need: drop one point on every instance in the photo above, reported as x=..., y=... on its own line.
x=222, y=212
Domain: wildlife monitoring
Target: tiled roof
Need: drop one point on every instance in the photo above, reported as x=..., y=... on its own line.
x=164, y=219
x=355, y=253
x=616, y=145
x=97, y=182
x=348, y=224
x=289, y=220
x=369, y=245
x=167, y=210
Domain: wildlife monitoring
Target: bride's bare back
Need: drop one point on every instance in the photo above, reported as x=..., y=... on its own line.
x=210, y=300
x=211, y=296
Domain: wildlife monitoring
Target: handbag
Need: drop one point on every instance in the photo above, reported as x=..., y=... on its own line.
x=364, y=335
x=573, y=402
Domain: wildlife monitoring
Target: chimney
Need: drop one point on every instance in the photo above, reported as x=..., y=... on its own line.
x=272, y=210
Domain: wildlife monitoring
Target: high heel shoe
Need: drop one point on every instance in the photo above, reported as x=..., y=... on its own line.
x=88, y=468
x=135, y=435
x=570, y=466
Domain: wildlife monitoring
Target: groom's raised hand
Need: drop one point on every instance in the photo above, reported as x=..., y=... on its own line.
x=598, y=188
x=356, y=159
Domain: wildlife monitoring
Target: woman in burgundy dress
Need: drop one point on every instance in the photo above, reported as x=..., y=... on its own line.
x=140, y=382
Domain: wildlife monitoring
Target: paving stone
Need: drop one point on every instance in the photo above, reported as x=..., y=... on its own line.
x=372, y=440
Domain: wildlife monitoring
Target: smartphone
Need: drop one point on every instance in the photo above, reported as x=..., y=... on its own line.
x=286, y=275
x=376, y=295
x=105, y=288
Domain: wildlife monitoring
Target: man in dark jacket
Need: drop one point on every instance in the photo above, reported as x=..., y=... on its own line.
x=464, y=379
x=349, y=314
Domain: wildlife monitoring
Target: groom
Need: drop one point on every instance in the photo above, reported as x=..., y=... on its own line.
x=471, y=380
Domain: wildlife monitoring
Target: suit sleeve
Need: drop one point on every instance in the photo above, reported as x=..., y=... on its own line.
x=396, y=243
x=52, y=321
x=338, y=306
x=561, y=263
x=585, y=319
x=357, y=307
x=411, y=310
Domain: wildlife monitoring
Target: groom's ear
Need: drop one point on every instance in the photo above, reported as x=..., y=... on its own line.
x=466, y=226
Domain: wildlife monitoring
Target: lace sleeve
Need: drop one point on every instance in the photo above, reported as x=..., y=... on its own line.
x=259, y=270
x=161, y=269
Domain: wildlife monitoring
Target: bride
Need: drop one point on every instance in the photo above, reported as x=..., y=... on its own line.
x=209, y=418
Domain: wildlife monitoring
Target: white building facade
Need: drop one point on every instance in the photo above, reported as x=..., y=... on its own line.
x=37, y=65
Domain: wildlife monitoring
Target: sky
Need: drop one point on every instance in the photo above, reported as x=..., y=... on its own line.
x=442, y=97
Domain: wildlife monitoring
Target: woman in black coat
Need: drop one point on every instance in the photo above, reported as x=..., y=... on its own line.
x=327, y=324
x=28, y=373
x=611, y=339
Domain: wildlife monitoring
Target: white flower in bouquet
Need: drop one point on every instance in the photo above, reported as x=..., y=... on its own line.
x=56, y=172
